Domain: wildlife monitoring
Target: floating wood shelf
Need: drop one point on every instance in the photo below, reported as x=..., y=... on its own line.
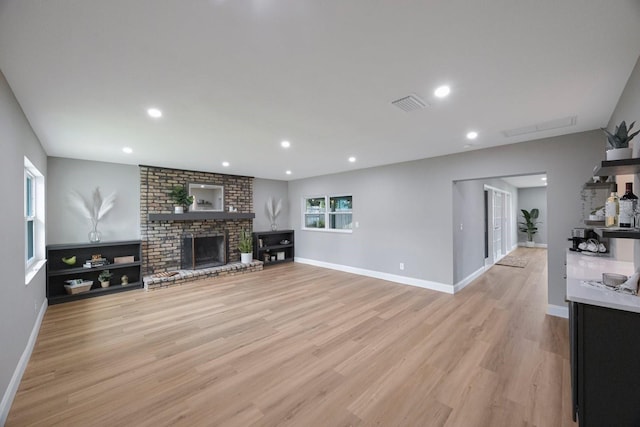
x=199, y=216
x=618, y=233
x=617, y=167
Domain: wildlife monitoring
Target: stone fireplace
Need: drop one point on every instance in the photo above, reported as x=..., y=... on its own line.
x=203, y=251
x=163, y=232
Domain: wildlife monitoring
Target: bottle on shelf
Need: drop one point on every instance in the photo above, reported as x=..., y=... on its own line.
x=612, y=210
x=628, y=204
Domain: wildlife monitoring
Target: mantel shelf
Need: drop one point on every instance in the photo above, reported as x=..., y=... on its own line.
x=617, y=167
x=199, y=216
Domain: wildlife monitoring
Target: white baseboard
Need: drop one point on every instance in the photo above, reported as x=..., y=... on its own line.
x=470, y=278
x=427, y=284
x=558, y=311
x=12, y=389
x=537, y=245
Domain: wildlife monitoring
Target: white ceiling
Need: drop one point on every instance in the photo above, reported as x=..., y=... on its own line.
x=526, y=181
x=234, y=78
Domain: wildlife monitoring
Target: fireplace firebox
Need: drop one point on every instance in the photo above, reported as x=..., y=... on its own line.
x=203, y=251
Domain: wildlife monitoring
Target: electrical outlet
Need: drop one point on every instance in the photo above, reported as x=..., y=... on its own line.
x=460, y=226
x=35, y=306
x=402, y=266
x=357, y=224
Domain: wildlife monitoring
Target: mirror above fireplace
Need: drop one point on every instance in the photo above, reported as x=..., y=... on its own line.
x=206, y=197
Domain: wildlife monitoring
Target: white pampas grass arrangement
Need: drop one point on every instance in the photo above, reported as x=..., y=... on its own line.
x=273, y=209
x=94, y=210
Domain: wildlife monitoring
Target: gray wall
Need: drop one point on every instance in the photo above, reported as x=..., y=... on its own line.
x=19, y=303
x=628, y=109
x=468, y=224
x=405, y=210
x=66, y=225
x=530, y=198
x=262, y=190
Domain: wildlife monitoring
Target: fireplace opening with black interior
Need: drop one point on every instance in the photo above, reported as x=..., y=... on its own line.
x=203, y=251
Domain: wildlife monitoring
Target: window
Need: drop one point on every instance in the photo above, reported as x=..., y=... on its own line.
x=33, y=220
x=338, y=217
x=29, y=216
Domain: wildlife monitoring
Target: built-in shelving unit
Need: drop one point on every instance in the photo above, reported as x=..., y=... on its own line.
x=268, y=244
x=58, y=272
x=199, y=216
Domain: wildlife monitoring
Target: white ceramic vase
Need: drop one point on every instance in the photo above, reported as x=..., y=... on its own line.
x=530, y=244
x=246, y=258
x=178, y=209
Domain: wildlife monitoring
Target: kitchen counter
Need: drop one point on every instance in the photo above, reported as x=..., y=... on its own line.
x=584, y=267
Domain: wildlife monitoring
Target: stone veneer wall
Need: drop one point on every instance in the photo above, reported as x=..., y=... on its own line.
x=161, y=240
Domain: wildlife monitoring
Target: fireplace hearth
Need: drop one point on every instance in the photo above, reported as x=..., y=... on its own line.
x=203, y=251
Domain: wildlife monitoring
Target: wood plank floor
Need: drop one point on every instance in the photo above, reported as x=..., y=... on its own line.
x=297, y=345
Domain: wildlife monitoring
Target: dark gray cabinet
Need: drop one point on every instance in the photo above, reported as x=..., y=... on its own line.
x=605, y=365
x=58, y=272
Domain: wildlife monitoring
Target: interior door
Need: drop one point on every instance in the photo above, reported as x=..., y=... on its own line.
x=498, y=225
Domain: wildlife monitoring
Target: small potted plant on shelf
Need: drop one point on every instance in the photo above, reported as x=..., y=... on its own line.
x=529, y=225
x=245, y=245
x=619, y=141
x=181, y=198
x=104, y=278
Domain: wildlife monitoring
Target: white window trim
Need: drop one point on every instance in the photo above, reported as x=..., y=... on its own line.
x=29, y=218
x=38, y=261
x=327, y=213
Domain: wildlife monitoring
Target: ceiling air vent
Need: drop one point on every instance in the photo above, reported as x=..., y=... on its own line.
x=540, y=127
x=410, y=103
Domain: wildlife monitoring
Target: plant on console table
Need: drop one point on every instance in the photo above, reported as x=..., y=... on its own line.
x=245, y=245
x=618, y=141
x=529, y=225
x=181, y=198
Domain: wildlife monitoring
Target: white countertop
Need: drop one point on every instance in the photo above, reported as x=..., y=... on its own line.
x=584, y=267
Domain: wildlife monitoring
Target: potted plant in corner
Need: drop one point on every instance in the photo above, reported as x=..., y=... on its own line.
x=181, y=198
x=619, y=142
x=104, y=278
x=245, y=245
x=529, y=225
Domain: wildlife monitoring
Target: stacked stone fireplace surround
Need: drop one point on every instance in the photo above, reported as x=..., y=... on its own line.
x=162, y=240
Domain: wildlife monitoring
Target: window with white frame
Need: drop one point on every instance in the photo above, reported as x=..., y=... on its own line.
x=330, y=213
x=29, y=217
x=34, y=250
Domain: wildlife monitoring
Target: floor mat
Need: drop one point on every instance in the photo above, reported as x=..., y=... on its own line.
x=513, y=261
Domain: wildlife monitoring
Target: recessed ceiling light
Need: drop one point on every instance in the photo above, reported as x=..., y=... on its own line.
x=544, y=178
x=154, y=112
x=472, y=135
x=288, y=172
x=127, y=150
x=285, y=144
x=225, y=164
x=352, y=159
x=442, y=91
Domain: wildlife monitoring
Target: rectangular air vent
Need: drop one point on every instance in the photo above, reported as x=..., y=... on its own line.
x=410, y=103
x=540, y=127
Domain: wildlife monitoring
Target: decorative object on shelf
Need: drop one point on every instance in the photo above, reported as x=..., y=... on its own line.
x=284, y=242
x=245, y=245
x=529, y=225
x=123, y=259
x=104, y=278
x=77, y=286
x=273, y=209
x=94, y=211
x=181, y=198
x=597, y=214
x=619, y=141
x=124, y=280
x=612, y=210
x=69, y=260
x=593, y=246
x=628, y=203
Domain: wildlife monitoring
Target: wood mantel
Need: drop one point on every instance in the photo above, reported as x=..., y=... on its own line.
x=199, y=216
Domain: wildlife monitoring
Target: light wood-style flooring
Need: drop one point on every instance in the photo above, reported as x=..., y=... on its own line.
x=297, y=345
